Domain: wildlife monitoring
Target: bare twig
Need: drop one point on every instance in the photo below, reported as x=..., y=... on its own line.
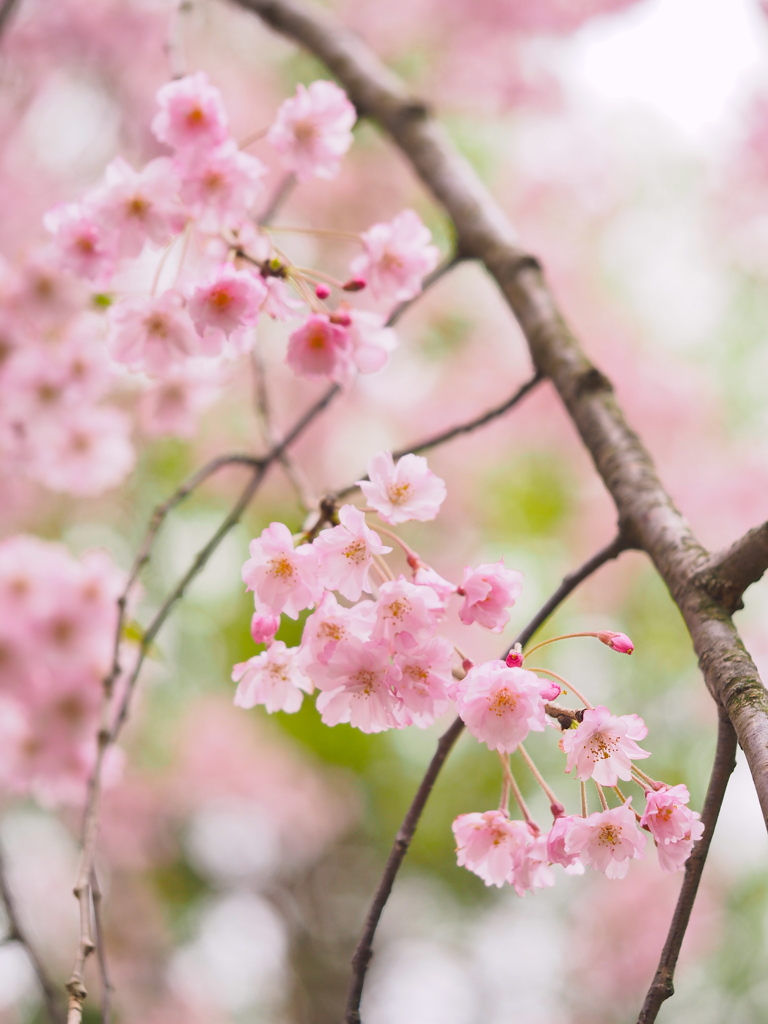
x=17, y=933
x=7, y=9
x=437, y=274
x=727, y=574
x=174, y=45
x=364, y=949
x=101, y=951
x=662, y=986
x=284, y=188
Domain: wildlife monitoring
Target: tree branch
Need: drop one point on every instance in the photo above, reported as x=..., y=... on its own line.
x=647, y=515
x=662, y=986
x=17, y=933
x=364, y=949
x=727, y=574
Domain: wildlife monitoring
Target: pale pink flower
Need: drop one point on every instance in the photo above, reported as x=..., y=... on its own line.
x=406, y=607
x=603, y=746
x=425, y=576
x=221, y=186
x=320, y=348
x=358, y=683
x=607, y=840
x=226, y=301
x=191, y=117
x=85, y=452
x=666, y=816
x=279, y=303
x=533, y=871
x=488, y=591
x=137, y=207
x=490, y=845
x=425, y=678
x=173, y=404
x=397, y=257
x=408, y=490
x=616, y=641
x=273, y=678
x=313, y=130
x=283, y=578
x=264, y=627
x=151, y=334
x=371, y=341
x=346, y=553
x=332, y=623
x=81, y=242
x=557, y=851
x=674, y=854
x=500, y=705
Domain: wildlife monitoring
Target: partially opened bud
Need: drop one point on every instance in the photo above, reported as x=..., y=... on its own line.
x=355, y=284
x=322, y=291
x=515, y=657
x=616, y=641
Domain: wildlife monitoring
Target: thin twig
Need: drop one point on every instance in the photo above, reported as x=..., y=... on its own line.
x=662, y=986
x=7, y=9
x=17, y=933
x=284, y=188
x=101, y=951
x=439, y=272
x=364, y=949
x=174, y=46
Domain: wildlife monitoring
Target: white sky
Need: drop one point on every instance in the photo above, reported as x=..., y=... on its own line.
x=692, y=61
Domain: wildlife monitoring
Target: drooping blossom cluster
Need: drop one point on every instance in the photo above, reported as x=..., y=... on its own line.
x=58, y=616
x=164, y=271
x=380, y=659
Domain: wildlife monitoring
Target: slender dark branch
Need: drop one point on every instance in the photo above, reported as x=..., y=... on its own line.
x=364, y=949
x=101, y=951
x=662, y=986
x=17, y=933
x=727, y=574
x=7, y=9
x=439, y=272
x=462, y=428
x=283, y=190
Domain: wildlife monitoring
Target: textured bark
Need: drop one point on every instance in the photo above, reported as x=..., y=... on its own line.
x=647, y=515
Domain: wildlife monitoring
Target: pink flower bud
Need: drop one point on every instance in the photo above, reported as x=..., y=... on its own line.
x=322, y=291
x=264, y=627
x=616, y=641
x=515, y=659
x=342, y=319
x=549, y=689
x=355, y=284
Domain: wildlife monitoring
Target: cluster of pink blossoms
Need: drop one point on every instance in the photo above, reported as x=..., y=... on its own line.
x=380, y=661
x=58, y=617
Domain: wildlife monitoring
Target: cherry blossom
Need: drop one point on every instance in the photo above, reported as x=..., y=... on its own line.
x=221, y=186
x=358, y=681
x=371, y=341
x=321, y=348
x=425, y=677
x=332, y=623
x=151, y=334
x=283, y=578
x=607, y=840
x=674, y=854
x=603, y=746
x=313, y=130
x=488, y=591
x=490, y=845
x=557, y=850
x=397, y=257
x=192, y=116
x=227, y=300
x=264, y=627
x=346, y=553
x=273, y=678
x=87, y=452
x=82, y=245
x=666, y=815
x=137, y=207
x=173, y=404
x=616, y=641
x=406, y=607
x=500, y=705
x=408, y=490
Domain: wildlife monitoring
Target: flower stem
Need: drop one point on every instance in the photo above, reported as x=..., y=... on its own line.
x=553, y=639
x=513, y=786
x=584, y=808
x=560, y=679
x=601, y=794
x=537, y=774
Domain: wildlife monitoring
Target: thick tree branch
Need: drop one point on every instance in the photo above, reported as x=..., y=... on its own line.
x=727, y=574
x=662, y=986
x=647, y=515
x=364, y=949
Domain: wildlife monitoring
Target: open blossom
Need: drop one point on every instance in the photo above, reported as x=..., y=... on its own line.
x=488, y=591
x=358, y=684
x=491, y=845
x=321, y=348
x=674, y=854
x=151, y=334
x=397, y=257
x=191, y=115
x=220, y=186
x=346, y=553
x=500, y=705
x=226, y=301
x=173, y=404
x=666, y=815
x=313, y=130
x=603, y=746
x=607, y=840
x=331, y=624
x=406, y=607
x=557, y=850
x=81, y=242
x=283, y=578
x=137, y=207
x=425, y=677
x=371, y=341
x=408, y=490
x=273, y=678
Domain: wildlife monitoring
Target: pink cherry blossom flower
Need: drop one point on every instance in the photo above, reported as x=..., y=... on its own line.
x=557, y=851
x=500, y=705
x=406, y=607
x=273, y=678
x=346, y=554
x=151, y=334
x=666, y=816
x=279, y=303
x=425, y=678
x=408, y=490
x=603, y=746
x=264, y=627
x=226, y=301
x=616, y=641
x=490, y=845
x=283, y=578
x=332, y=623
x=674, y=854
x=397, y=257
x=320, y=348
x=607, y=840
x=488, y=591
x=533, y=871
x=313, y=130
x=191, y=117
x=82, y=244
x=221, y=186
x=371, y=341
x=515, y=660
x=137, y=207
x=425, y=576
x=173, y=404
x=358, y=683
